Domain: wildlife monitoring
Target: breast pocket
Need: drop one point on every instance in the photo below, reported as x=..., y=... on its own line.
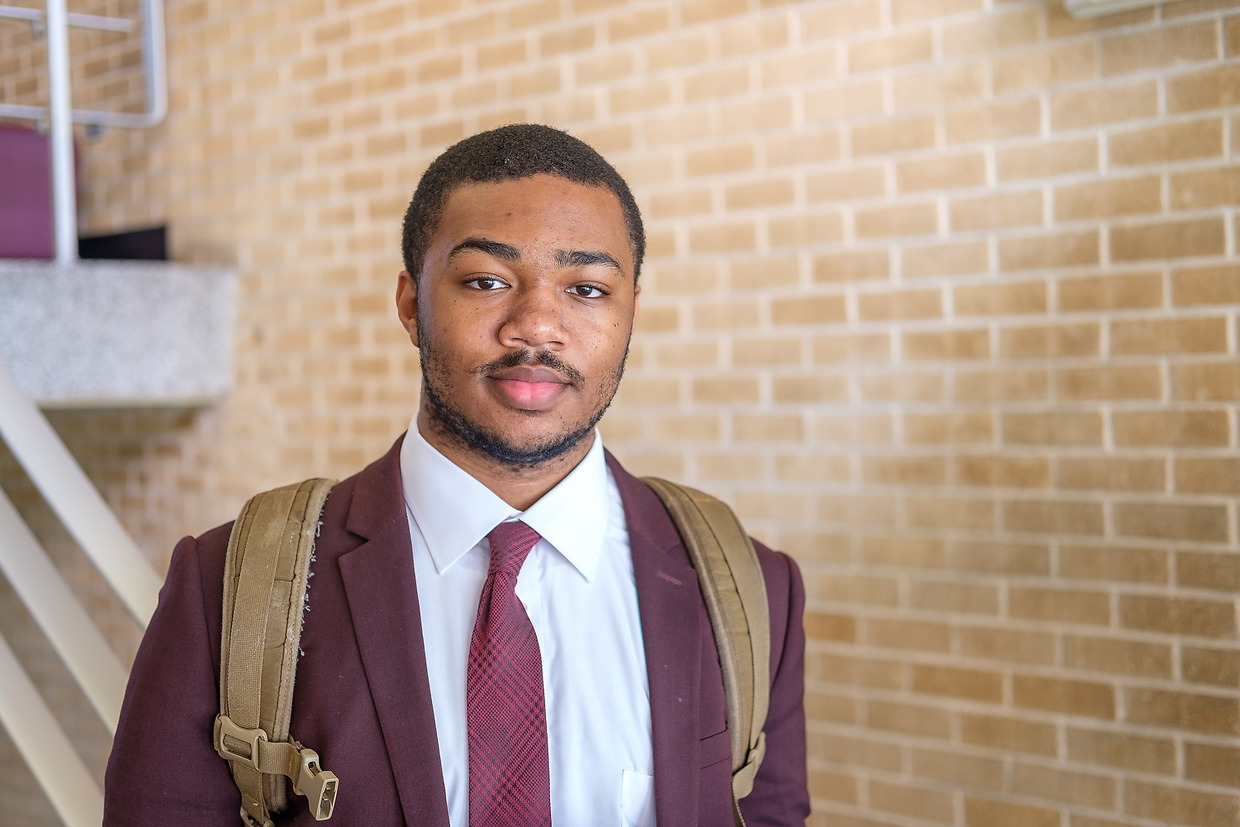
x=715, y=748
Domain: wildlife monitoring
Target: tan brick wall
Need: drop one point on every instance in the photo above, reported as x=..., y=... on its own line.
x=942, y=295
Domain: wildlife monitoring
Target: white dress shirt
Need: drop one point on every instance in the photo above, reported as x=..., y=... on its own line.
x=577, y=587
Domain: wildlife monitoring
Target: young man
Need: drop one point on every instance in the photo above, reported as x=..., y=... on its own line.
x=522, y=249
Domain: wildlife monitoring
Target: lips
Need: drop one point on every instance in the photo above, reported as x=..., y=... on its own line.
x=528, y=388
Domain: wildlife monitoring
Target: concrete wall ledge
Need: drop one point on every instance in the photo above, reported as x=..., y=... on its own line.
x=117, y=333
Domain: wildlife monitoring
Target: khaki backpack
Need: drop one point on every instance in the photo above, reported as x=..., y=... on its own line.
x=265, y=574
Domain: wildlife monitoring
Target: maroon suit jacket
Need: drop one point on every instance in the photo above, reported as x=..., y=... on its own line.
x=362, y=698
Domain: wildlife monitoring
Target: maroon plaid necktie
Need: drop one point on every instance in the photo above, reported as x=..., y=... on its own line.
x=509, y=779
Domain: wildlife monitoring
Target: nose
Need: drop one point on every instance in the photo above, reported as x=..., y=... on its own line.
x=533, y=319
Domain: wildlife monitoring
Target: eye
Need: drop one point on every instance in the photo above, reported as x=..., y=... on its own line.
x=587, y=291
x=485, y=283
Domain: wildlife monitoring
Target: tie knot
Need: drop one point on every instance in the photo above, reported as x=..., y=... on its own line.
x=510, y=545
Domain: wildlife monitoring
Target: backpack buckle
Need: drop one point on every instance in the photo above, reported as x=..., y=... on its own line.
x=316, y=784
x=254, y=738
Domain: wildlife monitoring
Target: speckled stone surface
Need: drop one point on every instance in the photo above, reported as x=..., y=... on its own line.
x=117, y=333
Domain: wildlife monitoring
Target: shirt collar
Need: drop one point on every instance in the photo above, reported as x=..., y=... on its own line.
x=454, y=511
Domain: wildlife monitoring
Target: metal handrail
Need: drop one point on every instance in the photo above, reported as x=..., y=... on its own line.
x=75, y=500
x=60, y=115
x=70, y=787
x=155, y=71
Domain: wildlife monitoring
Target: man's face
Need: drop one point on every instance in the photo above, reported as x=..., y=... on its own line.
x=522, y=315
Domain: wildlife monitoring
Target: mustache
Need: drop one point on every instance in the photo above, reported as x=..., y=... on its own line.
x=529, y=356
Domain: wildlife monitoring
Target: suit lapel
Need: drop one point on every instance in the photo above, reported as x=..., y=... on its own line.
x=382, y=595
x=668, y=599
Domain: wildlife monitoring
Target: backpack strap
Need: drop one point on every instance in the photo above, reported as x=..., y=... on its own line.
x=735, y=594
x=265, y=576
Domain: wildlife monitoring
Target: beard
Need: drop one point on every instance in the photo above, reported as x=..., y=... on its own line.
x=472, y=435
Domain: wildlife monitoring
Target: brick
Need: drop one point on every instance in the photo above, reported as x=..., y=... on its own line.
x=948, y=345
x=1050, y=251
x=902, y=304
x=1017, y=735
x=1121, y=749
x=807, y=228
x=1000, y=558
x=939, y=87
x=1069, y=697
x=1006, y=645
x=891, y=221
x=857, y=752
x=830, y=350
x=908, y=11
x=872, y=591
x=997, y=32
x=1169, y=336
x=1172, y=46
x=913, y=46
x=800, y=150
x=832, y=785
x=1103, y=199
x=1206, y=381
x=845, y=99
x=1185, y=429
x=688, y=428
x=1050, y=341
x=1119, y=657
x=720, y=160
x=1060, y=605
x=1208, y=570
x=1003, y=471
x=1207, y=475
x=1103, y=105
x=768, y=272
x=721, y=390
x=992, y=212
x=904, y=471
x=862, y=265
x=1071, y=787
x=1047, y=159
x=1112, y=474
x=1178, y=616
x=1010, y=385
x=952, y=259
x=1057, y=64
x=904, y=552
x=964, y=513
x=717, y=83
x=1167, y=143
x=832, y=708
x=951, y=428
x=808, y=310
x=980, y=812
x=908, y=799
x=1136, y=382
x=1002, y=299
x=719, y=238
x=967, y=684
x=1205, y=188
x=962, y=598
x=1167, y=521
x=639, y=23
x=1214, y=714
x=1053, y=516
x=942, y=172
x=967, y=771
x=1212, y=764
x=1214, y=667
x=893, y=136
x=811, y=388
x=769, y=428
x=839, y=19
x=1217, y=87
x=993, y=121
x=1119, y=291
x=907, y=634
x=803, y=467
x=851, y=184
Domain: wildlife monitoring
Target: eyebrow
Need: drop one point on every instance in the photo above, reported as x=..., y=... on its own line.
x=563, y=258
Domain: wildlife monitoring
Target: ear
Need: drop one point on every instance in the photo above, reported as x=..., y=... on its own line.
x=407, y=304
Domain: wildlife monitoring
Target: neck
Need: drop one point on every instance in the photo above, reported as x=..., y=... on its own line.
x=520, y=487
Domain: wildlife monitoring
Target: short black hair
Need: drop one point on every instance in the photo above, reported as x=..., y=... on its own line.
x=509, y=153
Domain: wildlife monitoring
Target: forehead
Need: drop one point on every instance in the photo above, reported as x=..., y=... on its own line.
x=541, y=211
